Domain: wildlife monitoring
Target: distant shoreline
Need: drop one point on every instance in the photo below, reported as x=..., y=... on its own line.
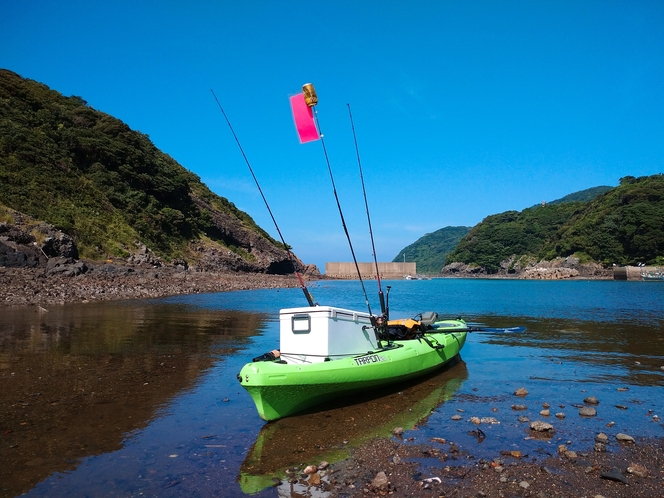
x=112, y=282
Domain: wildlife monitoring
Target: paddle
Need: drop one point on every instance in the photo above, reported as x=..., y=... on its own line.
x=480, y=327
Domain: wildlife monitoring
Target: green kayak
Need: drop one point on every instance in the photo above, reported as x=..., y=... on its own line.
x=327, y=352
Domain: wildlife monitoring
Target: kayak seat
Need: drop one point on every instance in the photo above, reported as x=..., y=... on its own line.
x=428, y=318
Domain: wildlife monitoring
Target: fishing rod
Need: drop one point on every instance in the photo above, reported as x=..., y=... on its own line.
x=311, y=100
x=381, y=296
x=306, y=292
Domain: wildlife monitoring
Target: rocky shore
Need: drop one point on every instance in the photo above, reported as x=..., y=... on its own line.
x=389, y=467
x=543, y=457
x=531, y=269
x=109, y=281
x=39, y=265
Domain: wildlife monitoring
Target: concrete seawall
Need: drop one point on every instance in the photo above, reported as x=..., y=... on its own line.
x=368, y=270
x=636, y=272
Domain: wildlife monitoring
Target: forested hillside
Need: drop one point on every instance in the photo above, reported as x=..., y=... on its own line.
x=109, y=187
x=586, y=195
x=624, y=225
x=430, y=251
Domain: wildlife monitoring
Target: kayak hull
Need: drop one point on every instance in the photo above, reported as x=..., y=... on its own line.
x=280, y=389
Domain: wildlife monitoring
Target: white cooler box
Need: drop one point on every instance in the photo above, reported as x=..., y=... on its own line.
x=323, y=333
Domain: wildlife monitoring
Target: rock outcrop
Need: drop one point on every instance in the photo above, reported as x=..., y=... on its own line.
x=27, y=243
x=525, y=267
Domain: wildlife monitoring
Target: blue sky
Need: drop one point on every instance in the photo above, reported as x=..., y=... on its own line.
x=461, y=109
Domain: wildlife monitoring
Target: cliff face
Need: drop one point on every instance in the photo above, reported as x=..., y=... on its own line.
x=28, y=243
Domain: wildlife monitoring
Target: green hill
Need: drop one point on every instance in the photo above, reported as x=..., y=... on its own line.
x=623, y=225
x=430, y=251
x=500, y=236
x=583, y=195
x=109, y=187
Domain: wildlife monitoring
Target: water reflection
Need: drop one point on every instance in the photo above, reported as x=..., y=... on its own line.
x=330, y=432
x=630, y=353
x=75, y=381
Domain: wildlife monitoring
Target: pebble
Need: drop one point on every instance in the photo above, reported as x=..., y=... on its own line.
x=396, y=460
x=494, y=410
x=475, y=420
x=310, y=469
x=560, y=415
x=523, y=418
x=323, y=465
x=570, y=454
x=591, y=400
x=397, y=431
x=540, y=426
x=655, y=418
x=623, y=389
x=524, y=485
x=610, y=424
x=380, y=482
x=614, y=475
x=503, y=479
x=456, y=417
x=625, y=438
x=637, y=470
x=602, y=438
x=521, y=392
x=518, y=408
x=546, y=405
x=489, y=420
x=440, y=440
x=587, y=411
x=622, y=407
x=314, y=479
x=545, y=413
x=562, y=448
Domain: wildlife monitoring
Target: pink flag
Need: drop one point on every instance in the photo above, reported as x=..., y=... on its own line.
x=304, y=119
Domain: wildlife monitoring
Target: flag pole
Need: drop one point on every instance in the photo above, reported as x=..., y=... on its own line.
x=306, y=292
x=311, y=99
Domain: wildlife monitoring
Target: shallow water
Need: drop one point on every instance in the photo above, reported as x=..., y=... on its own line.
x=140, y=398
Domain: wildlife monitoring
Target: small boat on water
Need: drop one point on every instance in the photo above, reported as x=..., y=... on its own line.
x=653, y=275
x=327, y=352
